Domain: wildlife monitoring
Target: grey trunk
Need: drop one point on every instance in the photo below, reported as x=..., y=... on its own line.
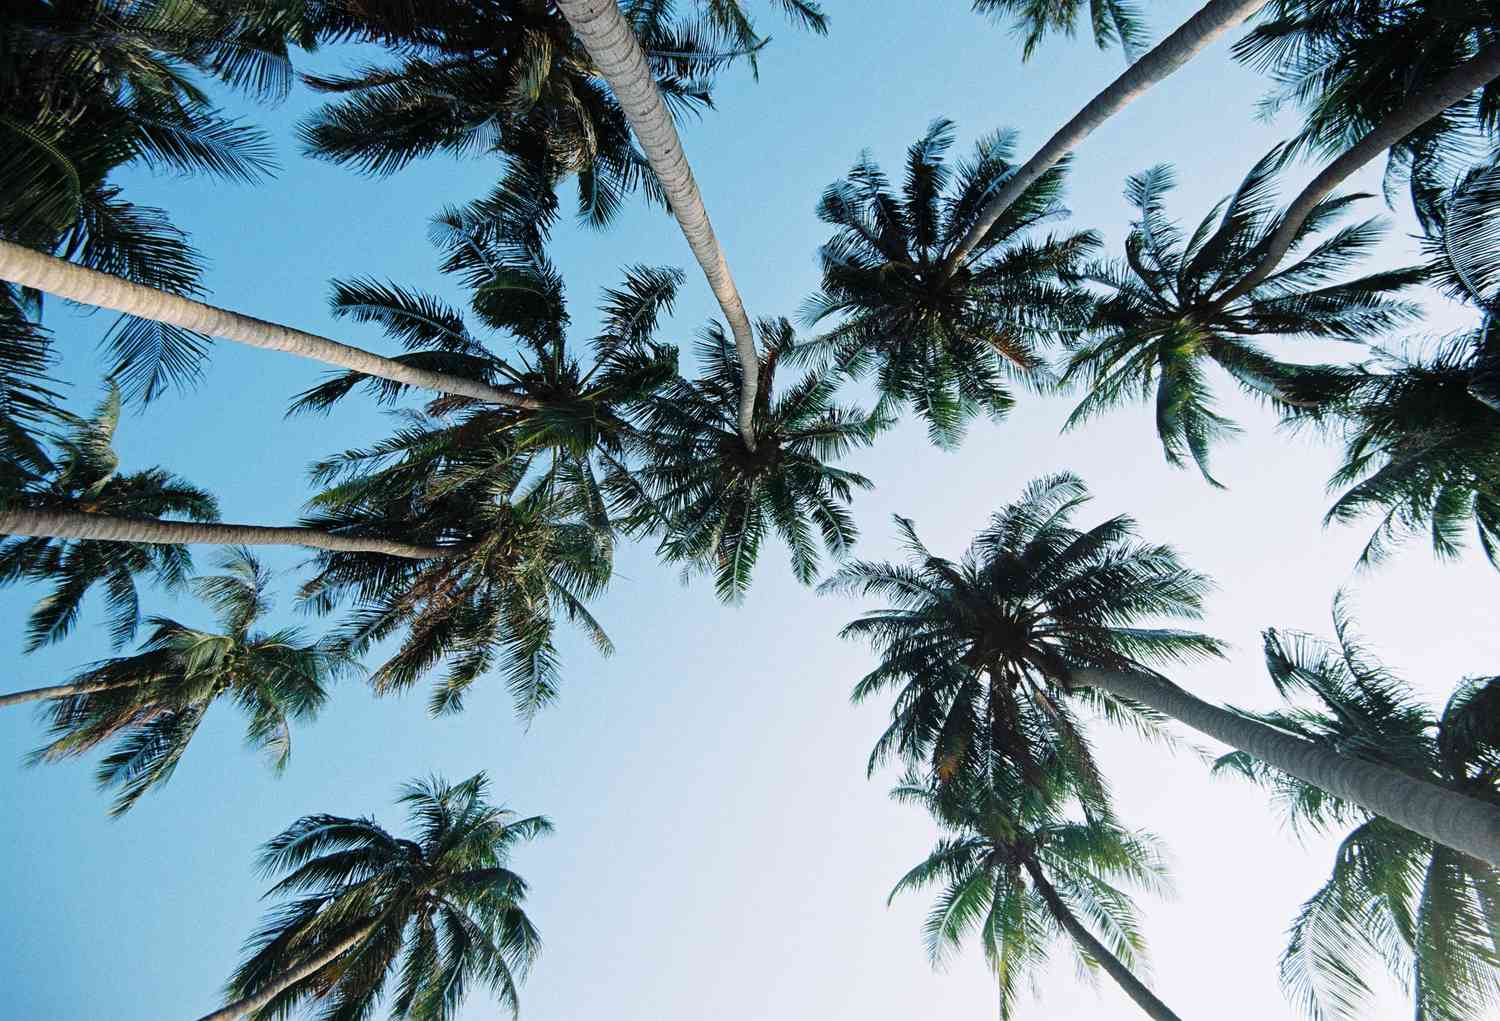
x=1445, y=816
x=1165, y=57
x=250, y=1004
x=61, y=691
x=29, y=268
x=612, y=44
x=59, y=524
x=1417, y=111
x=1134, y=987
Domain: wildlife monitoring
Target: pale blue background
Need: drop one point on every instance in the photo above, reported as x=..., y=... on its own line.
x=719, y=851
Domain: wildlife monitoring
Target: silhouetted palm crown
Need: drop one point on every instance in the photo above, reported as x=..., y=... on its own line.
x=1109, y=21
x=157, y=698
x=948, y=343
x=981, y=652
x=1163, y=317
x=441, y=911
x=83, y=476
x=1424, y=910
x=714, y=500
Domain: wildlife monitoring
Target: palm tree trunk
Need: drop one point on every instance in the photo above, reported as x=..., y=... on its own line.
x=59, y=524
x=61, y=691
x=1445, y=816
x=1212, y=21
x=613, y=46
x=250, y=1004
x=1134, y=987
x=29, y=268
x=1417, y=111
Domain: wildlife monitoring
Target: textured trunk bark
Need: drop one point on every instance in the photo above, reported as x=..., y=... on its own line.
x=1134, y=987
x=1458, y=83
x=44, y=272
x=61, y=691
x=78, y=525
x=250, y=1004
x=1449, y=818
x=610, y=40
x=1212, y=21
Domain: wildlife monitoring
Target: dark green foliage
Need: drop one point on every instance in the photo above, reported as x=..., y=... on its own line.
x=1425, y=911
x=442, y=910
x=980, y=652
x=1164, y=318
x=713, y=499
x=157, y=697
x=948, y=343
x=1348, y=64
x=82, y=475
x=1109, y=21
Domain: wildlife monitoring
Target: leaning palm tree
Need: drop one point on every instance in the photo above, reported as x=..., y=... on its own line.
x=1424, y=910
x=434, y=912
x=714, y=500
x=83, y=478
x=948, y=345
x=150, y=704
x=1170, y=307
x=1041, y=612
x=1109, y=21
x=1017, y=871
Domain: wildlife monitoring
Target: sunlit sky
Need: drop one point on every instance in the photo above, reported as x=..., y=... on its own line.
x=718, y=850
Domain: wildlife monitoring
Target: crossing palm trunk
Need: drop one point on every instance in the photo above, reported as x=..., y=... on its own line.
x=1462, y=81
x=43, y=272
x=250, y=1004
x=616, y=52
x=61, y=691
x=1211, y=22
x=1133, y=987
x=60, y=524
x=1445, y=816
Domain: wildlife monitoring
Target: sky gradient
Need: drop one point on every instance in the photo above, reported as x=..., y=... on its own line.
x=719, y=850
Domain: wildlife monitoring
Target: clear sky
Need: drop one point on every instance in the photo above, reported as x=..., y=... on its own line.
x=719, y=851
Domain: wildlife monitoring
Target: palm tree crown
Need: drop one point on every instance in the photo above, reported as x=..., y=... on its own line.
x=1423, y=909
x=1164, y=316
x=152, y=703
x=434, y=912
x=980, y=652
x=946, y=339
x=713, y=499
x=1109, y=21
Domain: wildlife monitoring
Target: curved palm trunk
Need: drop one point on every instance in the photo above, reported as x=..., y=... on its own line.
x=53, y=524
x=1134, y=987
x=1451, y=88
x=43, y=272
x=1439, y=814
x=250, y=1004
x=611, y=42
x=61, y=691
x=1212, y=21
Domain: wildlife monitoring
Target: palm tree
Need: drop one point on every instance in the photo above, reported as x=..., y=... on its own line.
x=84, y=477
x=713, y=499
x=1109, y=21
x=1171, y=306
x=1038, y=614
x=1426, y=911
x=151, y=704
x=435, y=911
x=1014, y=868
x=947, y=344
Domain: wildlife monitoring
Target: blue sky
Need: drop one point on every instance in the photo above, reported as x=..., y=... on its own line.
x=718, y=850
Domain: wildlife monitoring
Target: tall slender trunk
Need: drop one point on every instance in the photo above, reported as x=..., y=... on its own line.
x=1435, y=812
x=612, y=44
x=1212, y=21
x=1134, y=987
x=250, y=1004
x=61, y=691
x=59, y=524
x=1415, y=112
x=29, y=268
